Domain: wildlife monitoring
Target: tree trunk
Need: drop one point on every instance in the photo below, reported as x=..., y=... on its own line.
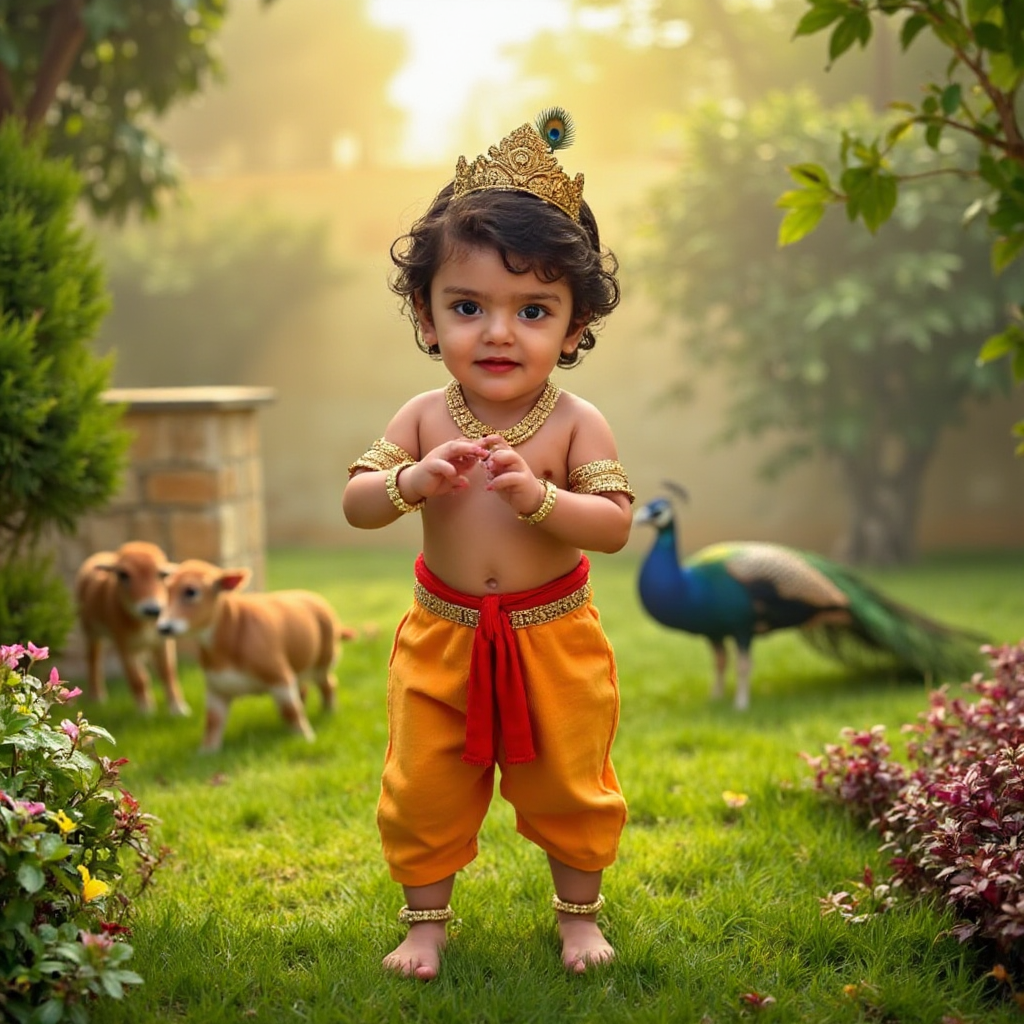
x=884, y=499
x=63, y=41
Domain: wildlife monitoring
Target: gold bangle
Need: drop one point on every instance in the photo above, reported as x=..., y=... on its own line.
x=550, y=496
x=407, y=916
x=577, y=908
x=391, y=485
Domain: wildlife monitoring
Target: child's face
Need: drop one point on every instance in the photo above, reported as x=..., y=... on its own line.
x=500, y=334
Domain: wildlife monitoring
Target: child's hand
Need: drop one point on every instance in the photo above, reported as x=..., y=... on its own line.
x=510, y=477
x=442, y=470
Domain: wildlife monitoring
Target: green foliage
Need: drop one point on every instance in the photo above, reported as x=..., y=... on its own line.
x=69, y=835
x=96, y=76
x=977, y=97
x=34, y=600
x=857, y=347
x=198, y=297
x=61, y=447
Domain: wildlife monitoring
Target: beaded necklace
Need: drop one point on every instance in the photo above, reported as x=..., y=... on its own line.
x=472, y=428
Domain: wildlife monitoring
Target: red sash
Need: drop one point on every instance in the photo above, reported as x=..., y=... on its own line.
x=496, y=687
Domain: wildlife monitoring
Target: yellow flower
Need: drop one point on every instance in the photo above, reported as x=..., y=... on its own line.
x=734, y=799
x=92, y=888
x=64, y=823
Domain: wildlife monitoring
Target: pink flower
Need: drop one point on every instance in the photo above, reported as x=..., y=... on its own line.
x=29, y=807
x=11, y=654
x=54, y=678
x=38, y=653
x=93, y=941
x=64, y=694
x=70, y=729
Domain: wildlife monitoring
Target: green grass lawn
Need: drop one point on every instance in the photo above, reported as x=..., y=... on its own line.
x=276, y=905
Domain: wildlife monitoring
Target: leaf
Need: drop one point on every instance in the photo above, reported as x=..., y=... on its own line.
x=911, y=27
x=950, y=99
x=990, y=37
x=854, y=28
x=31, y=877
x=998, y=345
x=1005, y=250
x=977, y=9
x=1004, y=72
x=803, y=197
x=877, y=199
x=810, y=174
x=799, y=222
x=51, y=1012
x=821, y=15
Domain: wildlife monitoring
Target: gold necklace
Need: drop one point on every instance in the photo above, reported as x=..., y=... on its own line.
x=472, y=428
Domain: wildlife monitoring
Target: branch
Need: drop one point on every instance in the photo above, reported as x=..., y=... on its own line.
x=1002, y=103
x=63, y=41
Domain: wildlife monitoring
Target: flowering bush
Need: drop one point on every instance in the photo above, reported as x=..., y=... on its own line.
x=68, y=836
x=952, y=818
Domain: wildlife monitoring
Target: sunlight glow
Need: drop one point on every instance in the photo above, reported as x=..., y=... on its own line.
x=455, y=46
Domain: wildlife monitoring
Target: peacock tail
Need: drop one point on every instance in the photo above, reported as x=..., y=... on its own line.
x=883, y=632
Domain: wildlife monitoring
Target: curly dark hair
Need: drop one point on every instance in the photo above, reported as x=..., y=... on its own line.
x=529, y=234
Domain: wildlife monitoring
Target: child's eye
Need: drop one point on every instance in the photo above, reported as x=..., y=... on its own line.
x=533, y=312
x=467, y=307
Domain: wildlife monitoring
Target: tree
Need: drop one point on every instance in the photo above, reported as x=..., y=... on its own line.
x=853, y=347
x=977, y=96
x=61, y=446
x=94, y=73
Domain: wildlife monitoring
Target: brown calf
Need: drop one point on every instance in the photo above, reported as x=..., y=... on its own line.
x=120, y=595
x=268, y=643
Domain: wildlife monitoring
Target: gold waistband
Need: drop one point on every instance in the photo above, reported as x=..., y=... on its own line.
x=537, y=616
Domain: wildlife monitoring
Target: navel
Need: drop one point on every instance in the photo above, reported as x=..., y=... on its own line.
x=491, y=583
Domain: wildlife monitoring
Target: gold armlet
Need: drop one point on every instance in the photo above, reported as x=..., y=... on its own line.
x=577, y=908
x=600, y=476
x=381, y=455
x=550, y=497
x=407, y=916
x=391, y=485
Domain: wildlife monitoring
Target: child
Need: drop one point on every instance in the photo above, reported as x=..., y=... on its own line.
x=501, y=659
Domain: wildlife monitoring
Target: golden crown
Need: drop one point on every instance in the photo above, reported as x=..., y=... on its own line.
x=523, y=162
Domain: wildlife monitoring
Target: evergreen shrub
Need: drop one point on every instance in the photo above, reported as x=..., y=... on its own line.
x=62, y=448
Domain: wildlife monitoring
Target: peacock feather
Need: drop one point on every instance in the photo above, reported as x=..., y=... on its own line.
x=736, y=591
x=556, y=127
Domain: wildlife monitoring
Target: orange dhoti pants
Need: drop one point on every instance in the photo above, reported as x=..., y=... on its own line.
x=566, y=797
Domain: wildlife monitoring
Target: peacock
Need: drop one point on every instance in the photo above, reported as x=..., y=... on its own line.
x=742, y=589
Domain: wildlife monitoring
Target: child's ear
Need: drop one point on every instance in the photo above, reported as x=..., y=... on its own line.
x=424, y=319
x=573, y=337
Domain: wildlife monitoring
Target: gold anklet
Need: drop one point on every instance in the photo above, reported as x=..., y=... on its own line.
x=550, y=496
x=391, y=486
x=407, y=916
x=577, y=908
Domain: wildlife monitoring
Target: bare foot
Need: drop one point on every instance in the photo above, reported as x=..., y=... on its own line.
x=583, y=944
x=418, y=955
